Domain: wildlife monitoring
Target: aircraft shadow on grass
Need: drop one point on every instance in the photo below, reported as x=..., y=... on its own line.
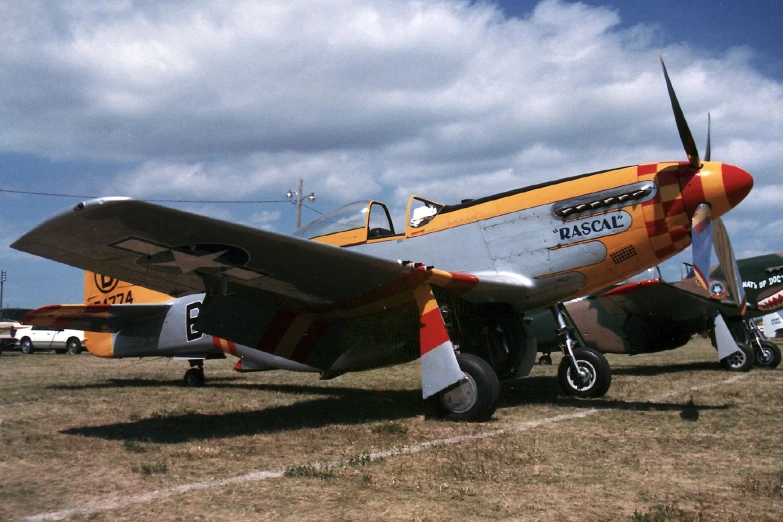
x=340, y=405
x=214, y=382
x=646, y=371
x=545, y=390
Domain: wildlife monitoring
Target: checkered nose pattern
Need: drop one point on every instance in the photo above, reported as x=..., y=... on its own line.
x=721, y=185
x=681, y=189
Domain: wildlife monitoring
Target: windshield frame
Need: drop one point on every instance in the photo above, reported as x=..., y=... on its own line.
x=351, y=216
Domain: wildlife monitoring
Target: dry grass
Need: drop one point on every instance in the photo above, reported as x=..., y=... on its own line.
x=76, y=431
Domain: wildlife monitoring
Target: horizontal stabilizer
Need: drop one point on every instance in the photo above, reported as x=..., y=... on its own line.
x=94, y=318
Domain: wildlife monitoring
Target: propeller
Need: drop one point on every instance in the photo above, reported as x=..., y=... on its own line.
x=707, y=232
x=682, y=126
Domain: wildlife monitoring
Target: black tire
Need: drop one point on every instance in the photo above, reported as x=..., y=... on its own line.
x=194, y=377
x=598, y=376
x=768, y=355
x=545, y=360
x=741, y=361
x=26, y=345
x=475, y=399
x=74, y=346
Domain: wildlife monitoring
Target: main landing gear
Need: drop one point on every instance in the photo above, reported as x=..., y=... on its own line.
x=475, y=398
x=583, y=372
x=739, y=361
x=195, y=376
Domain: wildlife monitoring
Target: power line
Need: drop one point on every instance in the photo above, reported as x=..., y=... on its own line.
x=30, y=193
x=223, y=201
x=311, y=208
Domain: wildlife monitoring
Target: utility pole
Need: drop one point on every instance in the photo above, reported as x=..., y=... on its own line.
x=2, y=283
x=310, y=197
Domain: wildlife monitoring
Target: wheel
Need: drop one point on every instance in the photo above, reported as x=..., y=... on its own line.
x=74, y=346
x=740, y=361
x=27, y=345
x=768, y=355
x=195, y=377
x=595, y=375
x=476, y=398
x=545, y=360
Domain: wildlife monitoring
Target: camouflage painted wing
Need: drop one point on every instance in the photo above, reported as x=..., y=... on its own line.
x=658, y=299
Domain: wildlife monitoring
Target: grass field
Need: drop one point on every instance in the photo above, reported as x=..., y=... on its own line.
x=676, y=438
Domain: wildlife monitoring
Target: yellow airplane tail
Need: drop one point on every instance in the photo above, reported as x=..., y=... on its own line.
x=104, y=290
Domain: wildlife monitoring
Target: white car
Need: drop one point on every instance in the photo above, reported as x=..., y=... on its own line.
x=61, y=341
x=9, y=324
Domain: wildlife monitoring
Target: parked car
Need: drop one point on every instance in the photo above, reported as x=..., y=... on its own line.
x=35, y=338
x=9, y=325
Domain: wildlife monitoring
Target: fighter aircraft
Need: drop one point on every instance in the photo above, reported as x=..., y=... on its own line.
x=648, y=315
x=348, y=292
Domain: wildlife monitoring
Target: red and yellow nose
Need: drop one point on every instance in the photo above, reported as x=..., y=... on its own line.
x=721, y=185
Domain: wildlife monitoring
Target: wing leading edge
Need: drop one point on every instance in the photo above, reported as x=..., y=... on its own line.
x=180, y=253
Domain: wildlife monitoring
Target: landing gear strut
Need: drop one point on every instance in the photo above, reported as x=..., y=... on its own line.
x=583, y=371
x=195, y=376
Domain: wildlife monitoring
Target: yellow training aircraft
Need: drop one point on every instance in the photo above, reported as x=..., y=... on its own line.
x=348, y=292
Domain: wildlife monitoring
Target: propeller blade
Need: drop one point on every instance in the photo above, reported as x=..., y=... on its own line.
x=707, y=233
x=701, y=237
x=723, y=338
x=707, y=152
x=729, y=264
x=682, y=126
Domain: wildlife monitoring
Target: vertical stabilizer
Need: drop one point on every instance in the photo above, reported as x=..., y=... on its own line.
x=100, y=289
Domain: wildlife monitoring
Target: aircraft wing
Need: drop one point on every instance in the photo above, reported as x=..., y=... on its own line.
x=180, y=253
x=93, y=318
x=658, y=299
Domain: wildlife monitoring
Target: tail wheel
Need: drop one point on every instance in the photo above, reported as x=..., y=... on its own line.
x=74, y=346
x=593, y=379
x=195, y=377
x=739, y=361
x=768, y=355
x=475, y=398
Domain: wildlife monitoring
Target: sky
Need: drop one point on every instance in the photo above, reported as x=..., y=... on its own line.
x=206, y=102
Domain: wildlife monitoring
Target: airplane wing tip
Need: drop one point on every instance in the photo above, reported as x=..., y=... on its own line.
x=95, y=202
x=23, y=243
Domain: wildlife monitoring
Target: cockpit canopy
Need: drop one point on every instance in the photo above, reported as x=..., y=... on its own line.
x=348, y=217
x=363, y=221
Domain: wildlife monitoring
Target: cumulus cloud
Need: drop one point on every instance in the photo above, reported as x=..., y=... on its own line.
x=366, y=98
